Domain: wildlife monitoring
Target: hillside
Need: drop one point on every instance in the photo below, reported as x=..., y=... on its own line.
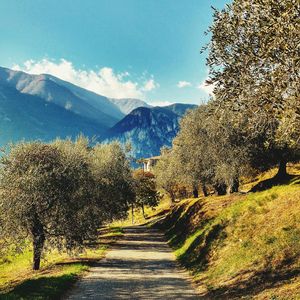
x=180, y=108
x=28, y=117
x=242, y=245
x=45, y=107
x=127, y=105
x=64, y=94
x=149, y=129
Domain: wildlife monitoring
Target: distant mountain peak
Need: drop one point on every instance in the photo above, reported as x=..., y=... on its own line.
x=45, y=107
x=62, y=93
x=127, y=105
x=148, y=128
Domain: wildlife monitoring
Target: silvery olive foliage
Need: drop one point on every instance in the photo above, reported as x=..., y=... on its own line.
x=115, y=184
x=145, y=189
x=253, y=118
x=255, y=68
x=57, y=195
x=166, y=171
x=208, y=150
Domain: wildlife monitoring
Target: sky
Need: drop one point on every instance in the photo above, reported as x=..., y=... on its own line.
x=146, y=49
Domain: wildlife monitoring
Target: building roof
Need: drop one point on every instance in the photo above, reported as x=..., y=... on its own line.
x=152, y=158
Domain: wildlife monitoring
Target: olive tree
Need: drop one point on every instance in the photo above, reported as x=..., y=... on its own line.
x=145, y=189
x=166, y=173
x=44, y=196
x=254, y=66
x=211, y=149
x=191, y=152
x=58, y=194
x=115, y=186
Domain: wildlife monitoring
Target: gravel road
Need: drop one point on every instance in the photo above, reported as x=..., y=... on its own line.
x=139, y=266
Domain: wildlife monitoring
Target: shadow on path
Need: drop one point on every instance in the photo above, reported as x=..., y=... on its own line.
x=140, y=266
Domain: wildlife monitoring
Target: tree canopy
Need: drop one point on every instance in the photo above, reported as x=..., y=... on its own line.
x=58, y=194
x=146, y=193
x=253, y=119
x=255, y=68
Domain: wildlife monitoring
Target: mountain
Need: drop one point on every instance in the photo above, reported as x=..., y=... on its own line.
x=148, y=129
x=127, y=105
x=24, y=116
x=64, y=94
x=45, y=107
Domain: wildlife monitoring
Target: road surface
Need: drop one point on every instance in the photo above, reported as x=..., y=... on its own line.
x=139, y=266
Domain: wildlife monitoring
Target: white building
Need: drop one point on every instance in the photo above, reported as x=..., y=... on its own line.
x=149, y=163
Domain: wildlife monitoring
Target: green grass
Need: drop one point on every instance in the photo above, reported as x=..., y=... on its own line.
x=262, y=233
x=115, y=231
x=150, y=214
x=16, y=268
x=48, y=285
x=58, y=272
x=240, y=244
x=249, y=183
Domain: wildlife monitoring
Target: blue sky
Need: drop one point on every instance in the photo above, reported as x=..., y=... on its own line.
x=120, y=48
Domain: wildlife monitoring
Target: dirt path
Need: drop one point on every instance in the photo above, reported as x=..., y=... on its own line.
x=140, y=266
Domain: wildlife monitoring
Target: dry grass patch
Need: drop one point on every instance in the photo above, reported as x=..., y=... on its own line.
x=240, y=245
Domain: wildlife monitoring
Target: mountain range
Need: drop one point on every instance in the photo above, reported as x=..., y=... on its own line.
x=45, y=107
x=147, y=129
x=127, y=105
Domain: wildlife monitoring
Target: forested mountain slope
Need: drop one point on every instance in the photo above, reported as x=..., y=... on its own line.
x=148, y=129
x=28, y=117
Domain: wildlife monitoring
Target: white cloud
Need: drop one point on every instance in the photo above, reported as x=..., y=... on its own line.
x=105, y=81
x=150, y=85
x=182, y=84
x=206, y=88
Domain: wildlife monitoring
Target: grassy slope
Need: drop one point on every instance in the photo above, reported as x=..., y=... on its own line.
x=240, y=245
x=150, y=214
x=58, y=273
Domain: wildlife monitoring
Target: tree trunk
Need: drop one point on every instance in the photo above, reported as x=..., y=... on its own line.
x=221, y=189
x=132, y=214
x=38, y=243
x=228, y=189
x=195, y=192
x=204, y=190
x=172, y=195
x=236, y=185
x=234, y=188
x=282, y=173
x=143, y=210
